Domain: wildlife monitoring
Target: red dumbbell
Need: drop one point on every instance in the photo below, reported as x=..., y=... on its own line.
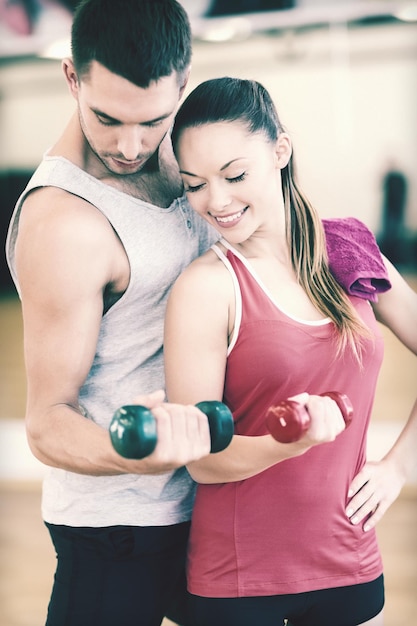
x=289, y=420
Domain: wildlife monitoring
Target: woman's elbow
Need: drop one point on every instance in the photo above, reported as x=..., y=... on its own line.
x=205, y=475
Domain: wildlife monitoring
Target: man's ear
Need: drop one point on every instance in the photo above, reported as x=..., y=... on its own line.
x=184, y=80
x=283, y=150
x=71, y=76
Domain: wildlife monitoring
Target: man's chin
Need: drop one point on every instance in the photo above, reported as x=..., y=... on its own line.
x=125, y=168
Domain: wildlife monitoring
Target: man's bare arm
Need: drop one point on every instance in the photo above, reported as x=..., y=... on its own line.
x=67, y=254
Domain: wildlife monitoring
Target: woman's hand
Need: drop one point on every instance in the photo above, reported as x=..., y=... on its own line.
x=372, y=492
x=326, y=419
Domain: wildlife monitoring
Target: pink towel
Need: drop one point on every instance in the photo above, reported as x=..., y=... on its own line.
x=355, y=259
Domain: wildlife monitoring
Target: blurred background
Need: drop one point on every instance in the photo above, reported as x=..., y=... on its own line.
x=343, y=76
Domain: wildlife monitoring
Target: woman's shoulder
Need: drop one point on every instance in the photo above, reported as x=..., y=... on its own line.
x=203, y=291
x=206, y=274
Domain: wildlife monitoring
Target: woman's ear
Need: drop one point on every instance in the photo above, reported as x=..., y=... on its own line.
x=283, y=150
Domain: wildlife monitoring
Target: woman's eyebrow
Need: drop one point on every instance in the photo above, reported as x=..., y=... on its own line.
x=224, y=167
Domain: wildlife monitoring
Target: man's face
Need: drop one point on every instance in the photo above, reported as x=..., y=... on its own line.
x=122, y=123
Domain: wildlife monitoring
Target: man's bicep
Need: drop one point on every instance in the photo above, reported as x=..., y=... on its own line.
x=61, y=290
x=60, y=342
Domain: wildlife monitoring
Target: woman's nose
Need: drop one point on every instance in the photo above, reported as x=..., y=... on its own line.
x=219, y=198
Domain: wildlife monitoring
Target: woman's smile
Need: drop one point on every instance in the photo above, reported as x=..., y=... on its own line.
x=229, y=220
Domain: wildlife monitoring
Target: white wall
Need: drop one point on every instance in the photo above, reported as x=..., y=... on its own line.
x=347, y=96
x=348, y=99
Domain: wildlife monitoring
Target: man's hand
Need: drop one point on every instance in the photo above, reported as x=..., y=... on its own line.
x=183, y=433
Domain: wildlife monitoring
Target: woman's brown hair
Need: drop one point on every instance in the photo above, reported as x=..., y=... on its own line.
x=232, y=99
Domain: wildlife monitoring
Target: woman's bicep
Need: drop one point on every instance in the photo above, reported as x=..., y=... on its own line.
x=397, y=309
x=195, y=344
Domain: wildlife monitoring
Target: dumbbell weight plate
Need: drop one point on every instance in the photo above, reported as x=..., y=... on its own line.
x=287, y=421
x=133, y=431
x=344, y=404
x=220, y=422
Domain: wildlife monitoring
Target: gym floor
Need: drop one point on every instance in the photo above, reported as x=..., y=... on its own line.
x=27, y=559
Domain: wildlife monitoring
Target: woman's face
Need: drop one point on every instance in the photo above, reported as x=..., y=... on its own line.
x=232, y=177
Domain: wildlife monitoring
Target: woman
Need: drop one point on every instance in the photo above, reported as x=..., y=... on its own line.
x=280, y=531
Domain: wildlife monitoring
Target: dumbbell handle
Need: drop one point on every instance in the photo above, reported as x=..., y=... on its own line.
x=289, y=420
x=133, y=431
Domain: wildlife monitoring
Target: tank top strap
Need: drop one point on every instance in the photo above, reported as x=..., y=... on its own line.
x=238, y=294
x=251, y=302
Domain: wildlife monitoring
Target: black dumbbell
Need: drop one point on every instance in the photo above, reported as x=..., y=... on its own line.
x=289, y=420
x=134, y=436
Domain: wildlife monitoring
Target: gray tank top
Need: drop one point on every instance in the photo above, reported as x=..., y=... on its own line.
x=159, y=243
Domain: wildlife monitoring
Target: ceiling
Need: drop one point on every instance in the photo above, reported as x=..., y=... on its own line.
x=36, y=28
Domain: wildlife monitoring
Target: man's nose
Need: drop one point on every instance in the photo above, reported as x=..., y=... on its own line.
x=130, y=142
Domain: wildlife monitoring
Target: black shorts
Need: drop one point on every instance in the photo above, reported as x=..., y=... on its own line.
x=340, y=606
x=118, y=576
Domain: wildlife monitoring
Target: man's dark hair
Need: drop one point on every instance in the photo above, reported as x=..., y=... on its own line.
x=140, y=40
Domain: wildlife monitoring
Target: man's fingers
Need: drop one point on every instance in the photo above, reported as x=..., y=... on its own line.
x=150, y=400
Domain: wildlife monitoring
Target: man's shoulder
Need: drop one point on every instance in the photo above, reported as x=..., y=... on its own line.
x=58, y=186
x=70, y=233
x=62, y=214
x=55, y=201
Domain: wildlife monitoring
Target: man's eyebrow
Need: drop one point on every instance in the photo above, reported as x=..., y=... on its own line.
x=102, y=114
x=224, y=167
x=115, y=121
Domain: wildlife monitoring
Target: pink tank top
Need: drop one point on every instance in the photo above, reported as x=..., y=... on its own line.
x=285, y=530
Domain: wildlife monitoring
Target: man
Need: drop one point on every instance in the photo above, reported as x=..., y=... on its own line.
x=95, y=243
